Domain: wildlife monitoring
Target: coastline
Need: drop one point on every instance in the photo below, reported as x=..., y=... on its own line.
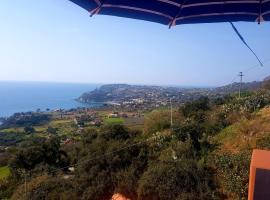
x=24, y=97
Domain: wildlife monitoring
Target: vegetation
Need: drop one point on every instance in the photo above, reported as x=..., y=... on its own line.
x=204, y=154
x=4, y=172
x=26, y=119
x=116, y=120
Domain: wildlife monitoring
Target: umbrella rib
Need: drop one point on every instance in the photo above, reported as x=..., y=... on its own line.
x=97, y=2
x=170, y=2
x=97, y=9
x=182, y=6
x=211, y=3
x=138, y=9
x=216, y=14
x=173, y=21
x=266, y=13
x=220, y=3
x=260, y=12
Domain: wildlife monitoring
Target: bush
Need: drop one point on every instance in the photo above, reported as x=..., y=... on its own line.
x=233, y=173
x=52, y=130
x=47, y=154
x=156, y=121
x=176, y=178
x=106, y=165
x=46, y=187
x=29, y=129
x=263, y=143
x=195, y=107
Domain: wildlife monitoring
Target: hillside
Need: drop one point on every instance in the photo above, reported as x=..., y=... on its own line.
x=246, y=133
x=155, y=96
x=204, y=154
x=234, y=87
x=139, y=96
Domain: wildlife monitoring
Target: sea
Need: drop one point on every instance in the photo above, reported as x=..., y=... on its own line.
x=31, y=96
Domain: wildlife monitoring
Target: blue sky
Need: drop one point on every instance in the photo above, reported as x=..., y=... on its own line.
x=54, y=40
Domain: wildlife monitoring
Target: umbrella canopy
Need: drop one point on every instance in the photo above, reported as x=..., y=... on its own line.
x=174, y=12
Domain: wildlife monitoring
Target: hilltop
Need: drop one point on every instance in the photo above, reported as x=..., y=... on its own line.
x=141, y=96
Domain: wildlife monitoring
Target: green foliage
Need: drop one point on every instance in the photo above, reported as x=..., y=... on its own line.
x=11, y=138
x=4, y=158
x=115, y=132
x=29, y=129
x=7, y=187
x=177, y=175
x=263, y=143
x=248, y=103
x=4, y=172
x=101, y=172
x=156, y=121
x=52, y=188
x=222, y=100
x=48, y=153
x=89, y=135
x=52, y=130
x=117, y=120
x=163, y=162
x=195, y=107
x=26, y=119
x=233, y=173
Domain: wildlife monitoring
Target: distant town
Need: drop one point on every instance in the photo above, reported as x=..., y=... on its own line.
x=145, y=98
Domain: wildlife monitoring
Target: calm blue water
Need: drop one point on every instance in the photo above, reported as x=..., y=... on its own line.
x=30, y=96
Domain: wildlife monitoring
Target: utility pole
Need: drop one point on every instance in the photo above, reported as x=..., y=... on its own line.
x=171, y=112
x=25, y=185
x=240, y=86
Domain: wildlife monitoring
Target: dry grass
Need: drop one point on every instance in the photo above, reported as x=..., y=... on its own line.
x=245, y=133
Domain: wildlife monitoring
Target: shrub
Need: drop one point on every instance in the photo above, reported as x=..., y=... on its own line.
x=233, y=173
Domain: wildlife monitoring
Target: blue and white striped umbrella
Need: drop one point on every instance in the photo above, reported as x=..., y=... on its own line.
x=174, y=12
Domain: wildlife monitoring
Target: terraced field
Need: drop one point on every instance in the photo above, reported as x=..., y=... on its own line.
x=4, y=172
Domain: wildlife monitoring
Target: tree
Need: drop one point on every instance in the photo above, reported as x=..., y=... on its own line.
x=156, y=121
x=109, y=163
x=114, y=131
x=52, y=130
x=176, y=175
x=197, y=106
x=45, y=187
x=29, y=129
x=45, y=154
x=89, y=135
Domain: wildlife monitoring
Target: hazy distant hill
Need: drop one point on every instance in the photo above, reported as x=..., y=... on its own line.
x=120, y=93
x=140, y=94
x=234, y=87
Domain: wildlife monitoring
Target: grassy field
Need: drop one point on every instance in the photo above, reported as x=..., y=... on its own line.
x=12, y=130
x=114, y=120
x=65, y=127
x=4, y=172
x=134, y=123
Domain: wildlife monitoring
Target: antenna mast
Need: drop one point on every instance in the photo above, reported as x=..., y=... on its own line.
x=171, y=112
